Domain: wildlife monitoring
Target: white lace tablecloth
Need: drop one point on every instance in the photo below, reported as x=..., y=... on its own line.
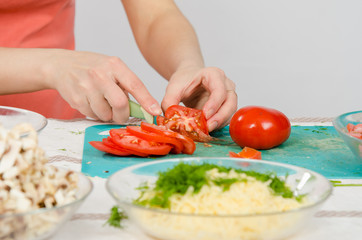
x=339, y=218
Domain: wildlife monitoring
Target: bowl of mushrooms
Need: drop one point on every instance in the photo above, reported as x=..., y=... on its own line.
x=35, y=197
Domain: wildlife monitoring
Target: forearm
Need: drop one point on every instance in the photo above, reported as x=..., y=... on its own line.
x=172, y=44
x=23, y=70
x=167, y=40
x=169, y=43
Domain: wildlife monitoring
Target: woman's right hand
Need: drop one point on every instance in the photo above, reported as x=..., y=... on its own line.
x=97, y=85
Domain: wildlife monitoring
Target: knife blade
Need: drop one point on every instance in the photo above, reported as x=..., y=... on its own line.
x=222, y=142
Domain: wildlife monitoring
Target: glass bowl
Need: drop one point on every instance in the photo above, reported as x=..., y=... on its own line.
x=175, y=226
x=340, y=124
x=43, y=222
x=10, y=116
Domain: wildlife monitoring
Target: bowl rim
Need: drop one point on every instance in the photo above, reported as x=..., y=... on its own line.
x=293, y=167
x=44, y=210
x=340, y=130
x=44, y=121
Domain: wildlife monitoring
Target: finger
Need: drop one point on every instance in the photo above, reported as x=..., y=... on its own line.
x=85, y=109
x=215, y=85
x=225, y=112
x=132, y=84
x=108, y=100
x=118, y=100
x=100, y=106
x=96, y=88
x=172, y=96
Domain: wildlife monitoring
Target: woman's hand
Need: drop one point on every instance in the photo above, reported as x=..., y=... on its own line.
x=169, y=43
x=97, y=85
x=208, y=89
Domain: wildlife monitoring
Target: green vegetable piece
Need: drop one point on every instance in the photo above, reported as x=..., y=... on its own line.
x=337, y=183
x=178, y=179
x=116, y=217
x=135, y=110
x=225, y=182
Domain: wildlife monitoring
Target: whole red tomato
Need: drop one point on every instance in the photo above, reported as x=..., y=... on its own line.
x=259, y=127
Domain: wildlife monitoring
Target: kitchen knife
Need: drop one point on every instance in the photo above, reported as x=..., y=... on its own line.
x=138, y=112
x=135, y=110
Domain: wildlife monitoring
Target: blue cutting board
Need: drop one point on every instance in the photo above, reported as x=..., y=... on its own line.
x=318, y=148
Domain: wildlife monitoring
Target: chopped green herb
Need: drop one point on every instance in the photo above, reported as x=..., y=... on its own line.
x=299, y=198
x=116, y=217
x=77, y=132
x=225, y=182
x=178, y=179
x=62, y=149
x=347, y=185
x=337, y=183
x=320, y=130
x=143, y=186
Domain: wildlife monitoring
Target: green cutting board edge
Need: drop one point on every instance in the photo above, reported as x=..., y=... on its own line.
x=318, y=148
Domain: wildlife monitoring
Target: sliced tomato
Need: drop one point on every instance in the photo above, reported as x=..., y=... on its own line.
x=155, y=137
x=233, y=154
x=186, y=121
x=358, y=128
x=356, y=135
x=130, y=142
x=160, y=120
x=350, y=127
x=247, y=153
x=355, y=130
x=108, y=142
x=104, y=148
x=188, y=116
x=189, y=145
x=118, y=132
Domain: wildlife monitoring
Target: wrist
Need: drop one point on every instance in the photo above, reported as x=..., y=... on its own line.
x=49, y=67
x=188, y=65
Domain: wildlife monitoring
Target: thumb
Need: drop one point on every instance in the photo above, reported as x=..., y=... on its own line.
x=172, y=96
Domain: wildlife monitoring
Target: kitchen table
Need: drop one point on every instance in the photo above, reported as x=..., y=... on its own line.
x=339, y=218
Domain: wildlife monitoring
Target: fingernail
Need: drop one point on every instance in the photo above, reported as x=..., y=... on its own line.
x=213, y=126
x=155, y=109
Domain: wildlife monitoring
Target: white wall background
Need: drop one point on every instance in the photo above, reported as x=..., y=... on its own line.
x=303, y=58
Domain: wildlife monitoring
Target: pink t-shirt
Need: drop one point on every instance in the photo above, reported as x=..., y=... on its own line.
x=38, y=24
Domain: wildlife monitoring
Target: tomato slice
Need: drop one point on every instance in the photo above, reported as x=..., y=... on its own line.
x=108, y=142
x=189, y=145
x=188, y=116
x=358, y=128
x=186, y=121
x=355, y=130
x=350, y=127
x=104, y=148
x=118, y=132
x=233, y=154
x=151, y=136
x=247, y=153
x=130, y=142
x=160, y=120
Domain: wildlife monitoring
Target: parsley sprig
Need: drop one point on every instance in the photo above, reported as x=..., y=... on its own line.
x=178, y=179
x=116, y=217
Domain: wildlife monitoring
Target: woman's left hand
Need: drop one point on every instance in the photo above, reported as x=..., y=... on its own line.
x=208, y=89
